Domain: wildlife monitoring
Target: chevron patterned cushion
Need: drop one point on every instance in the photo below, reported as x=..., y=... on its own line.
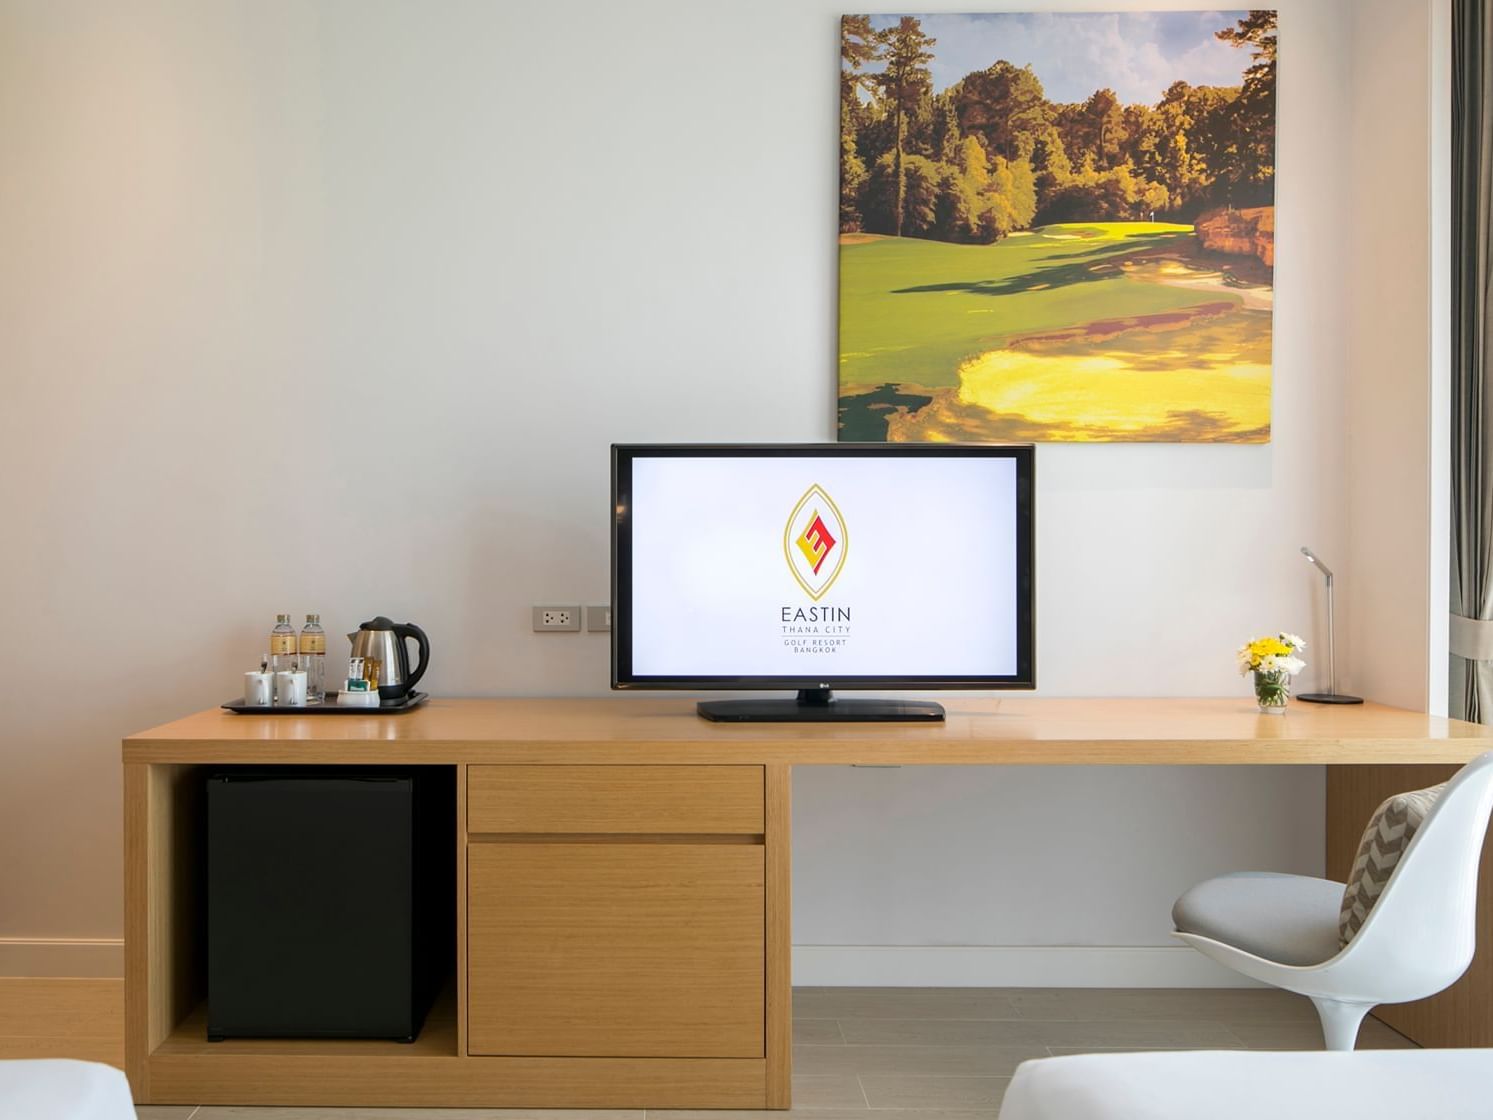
x=1390, y=831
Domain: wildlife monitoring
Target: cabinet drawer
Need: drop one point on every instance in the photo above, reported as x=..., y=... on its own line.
x=700, y=800
x=616, y=949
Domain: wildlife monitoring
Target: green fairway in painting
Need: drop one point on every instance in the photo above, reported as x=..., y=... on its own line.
x=912, y=310
x=1071, y=331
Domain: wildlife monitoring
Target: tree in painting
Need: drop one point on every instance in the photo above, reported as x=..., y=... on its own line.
x=1076, y=260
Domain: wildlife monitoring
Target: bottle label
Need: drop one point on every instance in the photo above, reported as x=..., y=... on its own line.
x=282, y=643
x=313, y=643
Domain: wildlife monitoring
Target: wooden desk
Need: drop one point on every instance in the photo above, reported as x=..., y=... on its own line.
x=655, y=847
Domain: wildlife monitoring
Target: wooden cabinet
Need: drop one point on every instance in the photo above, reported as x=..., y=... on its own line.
x=616, y=949
x=616, y=911
x=624, y=800
x=616, y=923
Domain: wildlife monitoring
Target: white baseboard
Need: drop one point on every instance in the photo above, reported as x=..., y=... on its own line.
x=815, y=966
x=1008, y=966
x=91, y=957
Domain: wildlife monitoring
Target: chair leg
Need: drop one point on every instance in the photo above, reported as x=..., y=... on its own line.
x=1340, y=1022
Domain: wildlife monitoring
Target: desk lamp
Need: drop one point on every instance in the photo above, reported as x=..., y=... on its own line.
x=1332, y=695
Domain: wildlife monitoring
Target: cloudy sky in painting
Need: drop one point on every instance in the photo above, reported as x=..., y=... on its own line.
x=1136, y=54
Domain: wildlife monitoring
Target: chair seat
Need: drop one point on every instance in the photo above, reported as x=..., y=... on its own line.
x=1289, y=919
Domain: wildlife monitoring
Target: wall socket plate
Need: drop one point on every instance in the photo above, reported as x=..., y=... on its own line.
x=599, y=618
x=553, y=618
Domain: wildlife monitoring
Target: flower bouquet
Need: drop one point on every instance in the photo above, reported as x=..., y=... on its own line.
x=1273, y=661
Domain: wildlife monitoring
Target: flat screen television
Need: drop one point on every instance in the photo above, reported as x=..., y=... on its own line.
x=817, y=567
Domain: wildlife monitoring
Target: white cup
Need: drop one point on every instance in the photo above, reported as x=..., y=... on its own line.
x=290, y=689
x=258, y=688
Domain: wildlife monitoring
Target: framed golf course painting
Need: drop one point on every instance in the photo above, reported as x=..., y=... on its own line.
x=1057, y=226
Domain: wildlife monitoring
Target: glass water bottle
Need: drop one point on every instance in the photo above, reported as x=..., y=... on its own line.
x=282, y=645
x=313, y=649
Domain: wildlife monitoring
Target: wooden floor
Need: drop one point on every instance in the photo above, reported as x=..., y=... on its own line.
x=943, y=1053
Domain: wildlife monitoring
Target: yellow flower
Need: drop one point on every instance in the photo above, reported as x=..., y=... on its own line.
x=1252, y=654
x=1268, y=647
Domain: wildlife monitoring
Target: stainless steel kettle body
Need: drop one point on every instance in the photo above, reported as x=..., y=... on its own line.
x=384, y=639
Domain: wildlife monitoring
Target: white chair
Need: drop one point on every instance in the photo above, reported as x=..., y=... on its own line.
x=1417, y=939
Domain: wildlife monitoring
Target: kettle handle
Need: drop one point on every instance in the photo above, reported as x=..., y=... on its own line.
x=405, y=630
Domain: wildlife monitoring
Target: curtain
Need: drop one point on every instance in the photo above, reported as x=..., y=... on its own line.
x=1471, y=677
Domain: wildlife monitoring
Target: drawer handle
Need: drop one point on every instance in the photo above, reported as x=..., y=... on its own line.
x=615, y=838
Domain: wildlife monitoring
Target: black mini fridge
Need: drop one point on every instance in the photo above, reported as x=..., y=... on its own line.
x=330, y=900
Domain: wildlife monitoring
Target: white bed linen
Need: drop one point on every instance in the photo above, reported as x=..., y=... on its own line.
x=1242, y=1085
x=62, y=1089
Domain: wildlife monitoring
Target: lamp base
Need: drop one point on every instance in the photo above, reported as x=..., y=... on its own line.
x=1329, y=698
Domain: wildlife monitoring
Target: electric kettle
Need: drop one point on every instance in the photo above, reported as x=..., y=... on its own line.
x=382, y=639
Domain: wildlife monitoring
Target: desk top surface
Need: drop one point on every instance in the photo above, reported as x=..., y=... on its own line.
x=1010, y=730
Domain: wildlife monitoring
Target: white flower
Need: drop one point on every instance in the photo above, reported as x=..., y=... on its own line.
x=1275, y=663
x=1292, y=640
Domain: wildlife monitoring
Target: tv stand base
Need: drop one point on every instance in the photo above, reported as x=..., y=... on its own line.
x=818, y=705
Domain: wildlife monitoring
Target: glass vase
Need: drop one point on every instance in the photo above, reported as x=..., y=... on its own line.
x=1273, y=691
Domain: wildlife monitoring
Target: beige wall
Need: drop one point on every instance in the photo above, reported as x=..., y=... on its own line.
x=1395, y=587
x=336, y=306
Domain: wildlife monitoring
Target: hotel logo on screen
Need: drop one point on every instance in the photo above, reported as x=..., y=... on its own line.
x=815, y=542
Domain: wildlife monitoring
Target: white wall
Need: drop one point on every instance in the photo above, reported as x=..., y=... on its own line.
x=336, y=306
x=1399, y=353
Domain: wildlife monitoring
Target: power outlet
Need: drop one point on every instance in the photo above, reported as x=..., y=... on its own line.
x=548, y=619
x=599, y=619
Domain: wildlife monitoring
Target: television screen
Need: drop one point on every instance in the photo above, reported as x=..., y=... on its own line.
x=822, y=566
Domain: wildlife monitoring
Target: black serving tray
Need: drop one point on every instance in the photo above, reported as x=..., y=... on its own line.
x=330, y=707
